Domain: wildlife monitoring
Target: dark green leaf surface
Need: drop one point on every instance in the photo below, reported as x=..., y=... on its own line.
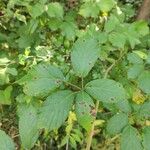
x=6, y=142
x=117, y=39
x=146, y=138
x=117, y=123
x=145, y=109
x=84, y=55
x=5, y=96
x=134, y=58
x=28, y=125
x=84, y=106
x=36, y=10
x=144, y=82
x=55, y=109
x=106, y=90
x=55, y=10
x=41, y=79
x=135, y=70
x=130, y=139
x=89, y=9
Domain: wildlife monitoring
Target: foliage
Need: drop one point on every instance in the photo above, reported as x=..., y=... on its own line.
x=78, y=75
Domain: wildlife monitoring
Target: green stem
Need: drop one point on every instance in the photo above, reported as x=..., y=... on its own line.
x=82, y=82
x=73, y=85
x=1, y=108
x=90, y=135
x=67, y=144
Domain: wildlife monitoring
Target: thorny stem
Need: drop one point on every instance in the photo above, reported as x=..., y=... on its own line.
x=91, y=132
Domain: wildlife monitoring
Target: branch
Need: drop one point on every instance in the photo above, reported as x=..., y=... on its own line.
x=89, y=140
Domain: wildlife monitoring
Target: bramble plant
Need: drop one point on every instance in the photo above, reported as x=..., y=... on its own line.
x=76, y=73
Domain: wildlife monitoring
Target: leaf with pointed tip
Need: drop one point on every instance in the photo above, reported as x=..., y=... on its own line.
x=55, y=10
x=132, y=35
x=106, y=5
x=41, y=80
x=134, y=58
x=135, y=70
x=84, y=54
x=36, y=10
x=106, y=90
x=68, y=29
x=111, y=23
x=117, y=39
x=6, y=142
x=55, y=109
x=83, y=107
x=28, y=125
x=117, y=123
x=89, y=9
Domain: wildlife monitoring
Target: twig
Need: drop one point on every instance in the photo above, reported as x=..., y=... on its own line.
x=75, y=86
x=82, y=82
x=112, y=65
x=108, y=70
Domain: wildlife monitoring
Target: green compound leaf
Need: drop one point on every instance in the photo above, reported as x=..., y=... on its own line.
x=83, y=108
x=117, y=123
x=144, y=82
x=84, y=55
x=28, y=125
x=130, y=139
x=55, y=10
x=55, y=109
x=106, y=90
x=41, y=79
x=6, y=142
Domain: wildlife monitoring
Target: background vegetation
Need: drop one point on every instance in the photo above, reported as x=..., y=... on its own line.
x=74, y=75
